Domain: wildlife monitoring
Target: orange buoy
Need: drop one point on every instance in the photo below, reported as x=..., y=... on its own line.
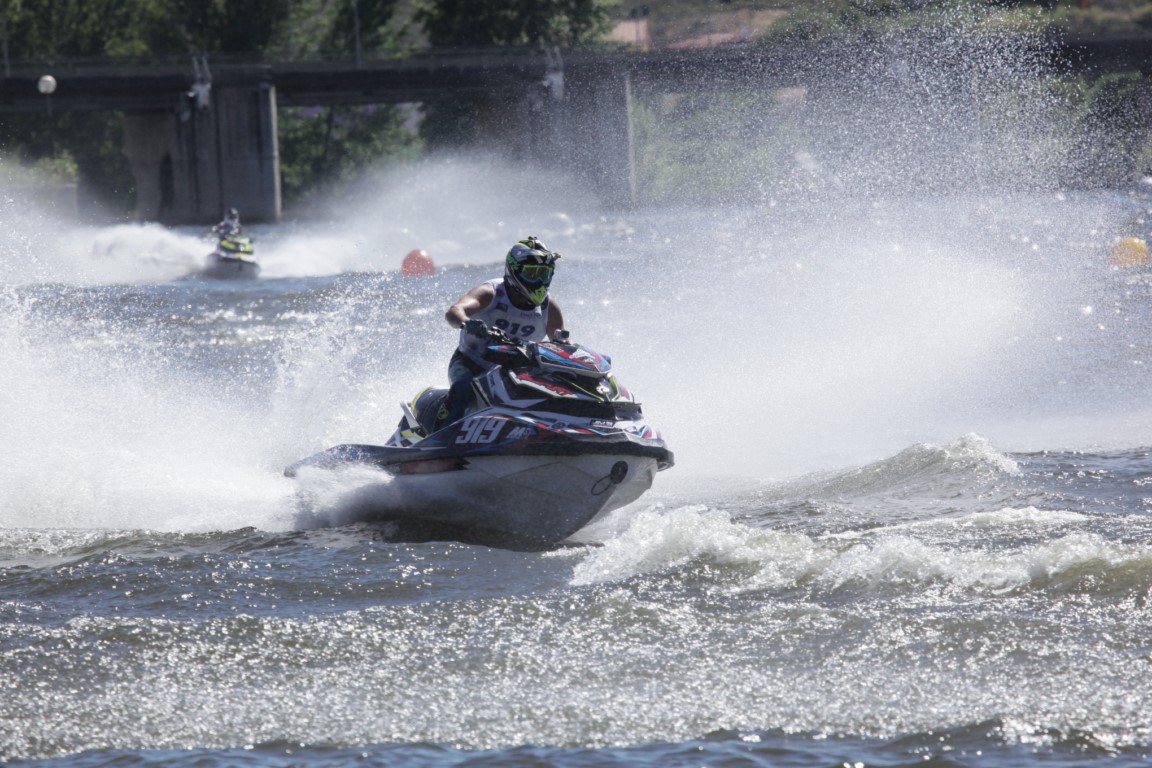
x=418, y=264
x=1130, y=252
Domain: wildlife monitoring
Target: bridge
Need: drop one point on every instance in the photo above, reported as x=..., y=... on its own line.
x=201, y=136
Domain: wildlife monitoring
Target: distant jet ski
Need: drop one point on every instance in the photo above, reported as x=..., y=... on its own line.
x=550, y=444
x=233, y=258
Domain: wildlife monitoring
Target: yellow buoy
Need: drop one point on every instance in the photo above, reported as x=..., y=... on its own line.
x=1130, y=252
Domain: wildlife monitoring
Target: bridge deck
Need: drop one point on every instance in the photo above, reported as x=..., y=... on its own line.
x=144, y=86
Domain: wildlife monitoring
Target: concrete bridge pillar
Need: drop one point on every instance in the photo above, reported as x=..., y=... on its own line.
x=192, y=162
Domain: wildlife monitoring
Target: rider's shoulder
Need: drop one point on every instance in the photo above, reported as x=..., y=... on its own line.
x=487, y=288
x=482, y=294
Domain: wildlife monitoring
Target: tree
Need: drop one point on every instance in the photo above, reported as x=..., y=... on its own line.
x=339, y=28
x=486, y=23
x=51, y=29
x=56, y=30
x=322, y=146
x=318, y=146
x=360, y=25
x=477, y=23
x=225, y=26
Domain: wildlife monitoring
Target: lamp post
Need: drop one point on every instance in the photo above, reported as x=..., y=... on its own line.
x=47, y=86
x=638, y=16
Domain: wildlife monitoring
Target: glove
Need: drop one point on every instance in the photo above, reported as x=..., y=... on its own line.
x=476, y=328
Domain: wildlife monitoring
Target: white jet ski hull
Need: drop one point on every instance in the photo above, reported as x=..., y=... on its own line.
x=546, y=498
x=529, y=500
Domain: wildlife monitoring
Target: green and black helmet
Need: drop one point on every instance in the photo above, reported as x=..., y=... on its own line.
x=528, y=269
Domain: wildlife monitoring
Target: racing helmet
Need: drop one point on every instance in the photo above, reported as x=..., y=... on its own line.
x=528, y=269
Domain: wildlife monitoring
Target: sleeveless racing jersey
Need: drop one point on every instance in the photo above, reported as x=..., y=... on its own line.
x=528, y=324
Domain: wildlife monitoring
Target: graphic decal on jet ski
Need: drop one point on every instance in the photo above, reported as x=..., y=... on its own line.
x=430, y=466
x=579, y=359
x=544, y=384
x=480, y=431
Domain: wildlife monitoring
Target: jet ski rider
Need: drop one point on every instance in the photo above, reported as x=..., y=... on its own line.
x=230, y=225
x=517, y=304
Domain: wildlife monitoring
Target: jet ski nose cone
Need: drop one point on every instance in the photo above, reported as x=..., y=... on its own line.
x=619, y=472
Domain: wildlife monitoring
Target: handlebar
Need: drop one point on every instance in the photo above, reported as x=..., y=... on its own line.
x=511, y=352
x=498, y=336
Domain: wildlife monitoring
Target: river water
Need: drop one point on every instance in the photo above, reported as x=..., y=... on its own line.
x=909, y=521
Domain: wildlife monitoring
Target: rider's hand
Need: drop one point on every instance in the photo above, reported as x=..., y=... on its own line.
x=476, y=327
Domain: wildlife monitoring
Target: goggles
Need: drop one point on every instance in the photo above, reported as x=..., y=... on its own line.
x=536, y=273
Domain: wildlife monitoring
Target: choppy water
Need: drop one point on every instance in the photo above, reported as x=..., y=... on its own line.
x=909, y=522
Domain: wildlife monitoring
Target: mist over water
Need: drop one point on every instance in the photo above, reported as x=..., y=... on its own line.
x=763, y=342
x=908, y=517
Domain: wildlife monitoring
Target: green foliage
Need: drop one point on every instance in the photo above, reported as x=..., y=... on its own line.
x=485, y=23
x=220, y=26
x=51, y=29
x=324, y=146
x=810, y=20
x=690, y=148
x=330, y=145
x=448, y=123
x=479, y=23
x=1113, y=147
x=341, y=28
x=1041, y=134
x=84, y=147
x=719, y=147
x=362, y=23
x=96, y=140
x=815, y=20
x=77, y=28
x=314, y=150
x=1115, y=17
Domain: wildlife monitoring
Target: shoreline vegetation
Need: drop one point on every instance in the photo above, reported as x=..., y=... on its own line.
x=936, y=98
x=683, y=23
x=695, y=148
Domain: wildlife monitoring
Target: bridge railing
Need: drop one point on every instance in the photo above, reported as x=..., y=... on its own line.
x=429, y=74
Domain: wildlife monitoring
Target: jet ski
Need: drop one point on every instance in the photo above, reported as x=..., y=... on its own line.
x=233, y=258
x=550, y=443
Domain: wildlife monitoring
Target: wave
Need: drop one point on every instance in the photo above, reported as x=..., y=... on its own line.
x=989, y=553
x=49, y=547
x=965, y=465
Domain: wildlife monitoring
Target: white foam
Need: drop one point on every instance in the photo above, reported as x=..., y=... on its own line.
x=659, y=540
x=1007, y=517
x=307, y=255
x=96, y=439
x=336, y=497
x=137, y=253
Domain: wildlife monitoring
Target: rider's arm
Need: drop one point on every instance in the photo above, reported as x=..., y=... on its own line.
x=555, y=318
x=469, y=304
